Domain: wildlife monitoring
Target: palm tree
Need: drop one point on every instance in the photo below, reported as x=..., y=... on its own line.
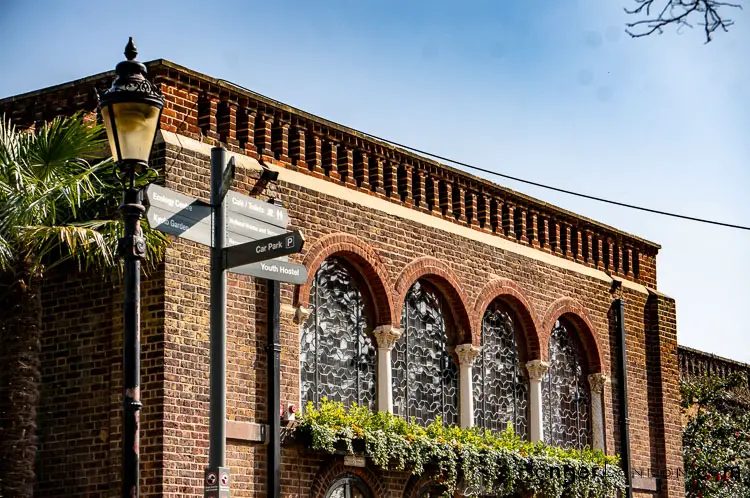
x=58, y=199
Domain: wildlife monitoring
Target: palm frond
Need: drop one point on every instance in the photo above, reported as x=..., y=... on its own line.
x=52, y=245
x=9, y=143
x=6, y=255
x=156, y=246
x=58, y=197
x=62, y=144
x=90, y=244
x=55, y=200
x=156, y=242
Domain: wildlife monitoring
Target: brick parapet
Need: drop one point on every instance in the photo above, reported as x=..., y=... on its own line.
x=695, y=363
x=219, y=112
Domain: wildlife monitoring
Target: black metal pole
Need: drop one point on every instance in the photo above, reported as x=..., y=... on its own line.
x=132, y=248
x=273, y=349
x=623, y=395
x=218, y=397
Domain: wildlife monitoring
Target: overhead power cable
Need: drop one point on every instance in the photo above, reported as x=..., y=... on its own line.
x=515, y=178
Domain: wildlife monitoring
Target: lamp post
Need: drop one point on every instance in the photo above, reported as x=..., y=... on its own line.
x=131, y=109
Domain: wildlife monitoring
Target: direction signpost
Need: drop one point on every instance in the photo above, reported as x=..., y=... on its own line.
x=249, y=237
x=263, y=249
x=177, y=224
x=190, y=218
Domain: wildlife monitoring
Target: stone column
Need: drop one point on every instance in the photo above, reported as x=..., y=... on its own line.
x=386, y=336
x=536, y=369
x=301, y=314
x=597, y=382
x=466, y=353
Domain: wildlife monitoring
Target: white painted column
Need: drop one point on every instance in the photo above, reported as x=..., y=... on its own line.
x=597, y=383
x=300, y=317
x=536, y=369
x=466, y=353
x=386, y=336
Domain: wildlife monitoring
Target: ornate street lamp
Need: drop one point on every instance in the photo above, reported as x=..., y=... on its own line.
x=131, y=110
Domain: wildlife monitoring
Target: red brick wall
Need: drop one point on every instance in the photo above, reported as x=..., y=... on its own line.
x=397, y=243
x=80, y=414
x=79, y=439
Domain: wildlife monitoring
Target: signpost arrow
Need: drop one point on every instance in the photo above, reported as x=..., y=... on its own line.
x=226, y=179
x=274, y=270
x=259, y=210
x=178, y=224
x=263, y=249
x=177, y=203
x=249, y=227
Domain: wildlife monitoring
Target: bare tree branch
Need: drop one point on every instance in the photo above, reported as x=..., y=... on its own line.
x=678, y=12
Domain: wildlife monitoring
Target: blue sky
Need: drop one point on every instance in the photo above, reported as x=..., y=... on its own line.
x=555, y=92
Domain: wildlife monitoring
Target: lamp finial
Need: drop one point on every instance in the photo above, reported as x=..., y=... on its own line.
x=130, y=51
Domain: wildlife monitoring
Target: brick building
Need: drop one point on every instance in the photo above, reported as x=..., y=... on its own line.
x=435, y=270
x=695, y=363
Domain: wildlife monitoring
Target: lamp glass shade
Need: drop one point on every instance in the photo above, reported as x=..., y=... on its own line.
x=131, y=128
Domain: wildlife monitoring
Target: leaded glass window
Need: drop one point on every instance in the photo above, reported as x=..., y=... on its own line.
x=501, y=392
x=425, y=378
x=565, y=391
x=348, y=486
x=337, y=356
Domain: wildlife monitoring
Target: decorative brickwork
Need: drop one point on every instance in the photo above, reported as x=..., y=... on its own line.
x=417, y=483
x=442, y=277
x=701, y=364
x=203, y=108
x=335, y=468
x=511, y=294
x=575, y=312
x=364, y=259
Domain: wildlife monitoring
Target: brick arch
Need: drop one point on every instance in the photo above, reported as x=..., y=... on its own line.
x=513, y=295
x=366, y=261
x=441, y=276
x=574, y=312
x=335, y=467
x=415, y=484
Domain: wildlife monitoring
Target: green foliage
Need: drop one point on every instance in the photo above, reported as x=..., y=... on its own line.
x=716, y=436
x=58, y=198
x=492, y=464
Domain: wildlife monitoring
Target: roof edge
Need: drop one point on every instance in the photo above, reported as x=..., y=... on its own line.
x=714, y=356
x=228, y=85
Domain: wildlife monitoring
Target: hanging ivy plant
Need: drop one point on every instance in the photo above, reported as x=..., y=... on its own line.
x=484, y=463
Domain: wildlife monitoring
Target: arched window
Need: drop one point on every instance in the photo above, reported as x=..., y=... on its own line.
x=501, y=392
x=425, y=378
x=337, y=356
x=565, y=391
x=348, y=486
x=431, y=490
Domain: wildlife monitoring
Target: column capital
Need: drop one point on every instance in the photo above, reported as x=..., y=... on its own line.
x=597, y=382
x=300, y=316
x=386, y=336
x=467, y=353
x=536, y=369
